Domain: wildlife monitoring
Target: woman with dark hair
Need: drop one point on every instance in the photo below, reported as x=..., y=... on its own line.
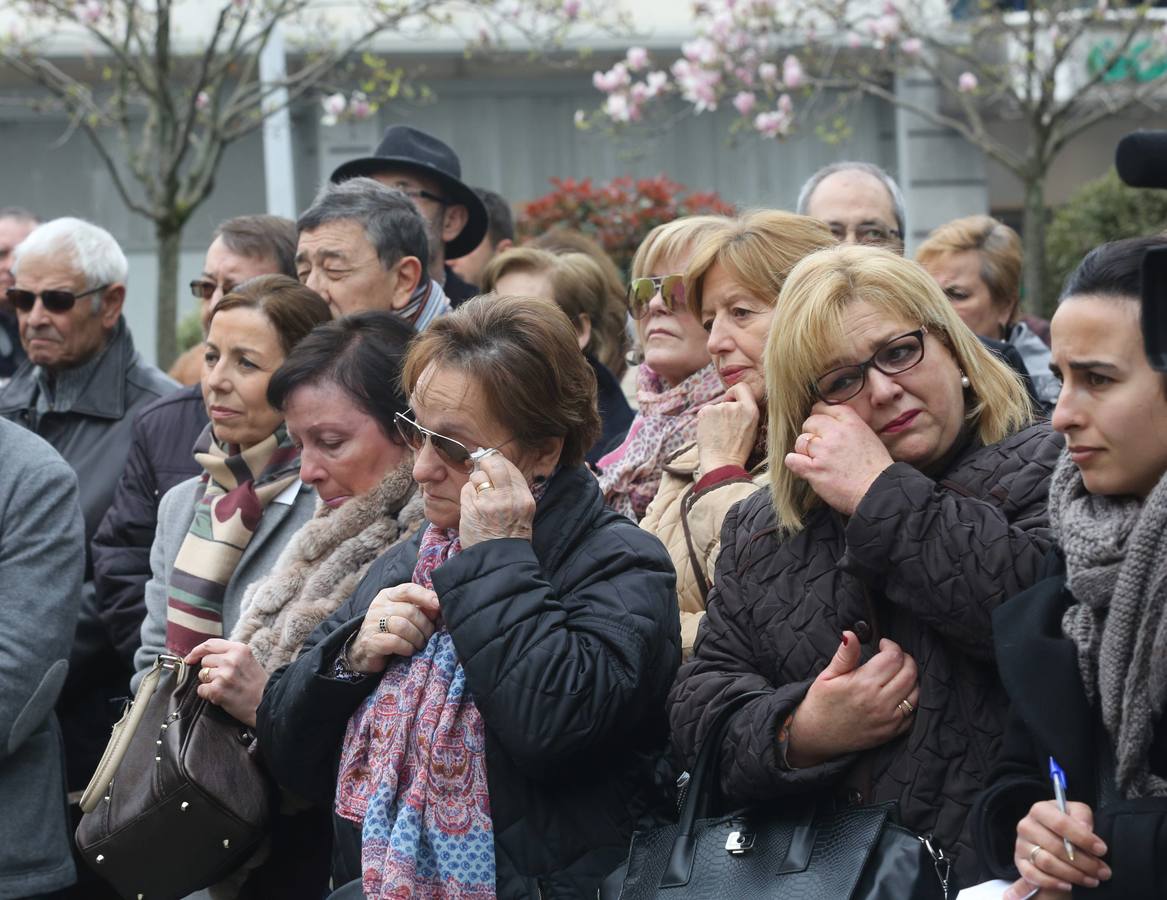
x=486, y=712
x=1081, y=653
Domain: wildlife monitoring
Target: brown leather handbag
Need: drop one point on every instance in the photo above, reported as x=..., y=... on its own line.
x=180, y=799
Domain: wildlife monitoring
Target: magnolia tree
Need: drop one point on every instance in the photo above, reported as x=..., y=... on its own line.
x=162, y=88
x=1048, y=69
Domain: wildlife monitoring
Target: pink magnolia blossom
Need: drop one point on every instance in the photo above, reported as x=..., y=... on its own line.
x=785, y=105
x=912, y=46
x=702, y=51
x=359, y=106
x=657, y=82
x=89, y=12
x=745, y=102
x=615, y=79
x=571, y=9
x=768, y=73
x=792, y=74
x=772, y=124
x=854, y=41
x=967, y=83
x=637, y=58
x=581, y=119
x=202, y=101
x=618, y=108
x=334, y=104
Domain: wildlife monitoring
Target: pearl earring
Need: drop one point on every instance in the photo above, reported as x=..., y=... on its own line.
x=964, y=382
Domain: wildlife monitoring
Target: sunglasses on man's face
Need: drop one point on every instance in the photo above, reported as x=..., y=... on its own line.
x=453, y=453
x=54, y=301
x=642, y=290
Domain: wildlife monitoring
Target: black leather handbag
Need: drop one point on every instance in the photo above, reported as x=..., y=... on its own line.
x=797, y=850
x=180, y=799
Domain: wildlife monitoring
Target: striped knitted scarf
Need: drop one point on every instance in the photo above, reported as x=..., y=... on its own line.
x=240, y=485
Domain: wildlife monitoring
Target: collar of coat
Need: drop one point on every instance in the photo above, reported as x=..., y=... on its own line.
x=103, y=397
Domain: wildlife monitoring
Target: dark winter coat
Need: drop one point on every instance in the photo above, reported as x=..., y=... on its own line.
x=569, y=643
x=922, y=561
x=1051, y=716
x=161, y=456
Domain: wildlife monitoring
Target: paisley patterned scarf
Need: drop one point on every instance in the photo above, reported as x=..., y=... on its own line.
x=240, y=485
x=666, y=421
x=413, y=771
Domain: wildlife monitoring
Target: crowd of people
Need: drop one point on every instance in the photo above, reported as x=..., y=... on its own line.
x=480, y=539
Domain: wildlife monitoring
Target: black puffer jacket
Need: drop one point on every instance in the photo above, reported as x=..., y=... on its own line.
x=923, y=562
x=569, y=643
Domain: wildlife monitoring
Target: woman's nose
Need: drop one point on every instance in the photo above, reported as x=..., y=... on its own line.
x=882, y=389
x=657, y=305
x=310, y=470
x=720, y=338
x=1066, y=415
x=427, y=467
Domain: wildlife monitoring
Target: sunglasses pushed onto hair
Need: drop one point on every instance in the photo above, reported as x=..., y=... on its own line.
x=641, y=291
x=453, y=453
x=54, y=301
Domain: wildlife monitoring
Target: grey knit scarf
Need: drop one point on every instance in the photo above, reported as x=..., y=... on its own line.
x=1116, y=562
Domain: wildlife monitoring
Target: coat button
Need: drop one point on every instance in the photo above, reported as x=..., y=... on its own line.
x=862, y=631
x=855, y=797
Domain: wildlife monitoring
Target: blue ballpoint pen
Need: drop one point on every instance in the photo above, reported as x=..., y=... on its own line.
x=1058, y=777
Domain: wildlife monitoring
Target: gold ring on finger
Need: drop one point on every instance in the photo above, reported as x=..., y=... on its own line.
x=905, y=706
x=1033, y=853
x=205, y=676
x=483, y=486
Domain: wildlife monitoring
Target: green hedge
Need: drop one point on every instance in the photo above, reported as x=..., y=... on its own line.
x=1100, y=211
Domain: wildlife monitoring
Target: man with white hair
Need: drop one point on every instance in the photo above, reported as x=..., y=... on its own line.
x=79, y=389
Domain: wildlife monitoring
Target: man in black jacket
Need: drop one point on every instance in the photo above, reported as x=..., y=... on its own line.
x=164, y=434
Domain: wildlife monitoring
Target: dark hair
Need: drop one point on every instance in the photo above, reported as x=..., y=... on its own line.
x=500, y=219
x=362, y=355
x=392, y=224
x=292, y=308
x=1113, y=270
x=525, y=355
x=262, y=237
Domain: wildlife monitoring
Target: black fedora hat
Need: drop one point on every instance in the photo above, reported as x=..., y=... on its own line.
x=403, y=147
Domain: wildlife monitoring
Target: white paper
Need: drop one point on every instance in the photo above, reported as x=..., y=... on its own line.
x=989, y=890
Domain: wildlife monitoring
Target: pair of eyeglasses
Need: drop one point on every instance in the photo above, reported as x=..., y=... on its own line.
x=205, y=290
x=451, y=452
x=870, y=234
x=641, y=291
x=893, y=358
x=54, y=301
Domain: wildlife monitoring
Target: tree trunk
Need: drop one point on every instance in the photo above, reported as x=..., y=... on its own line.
x=166, y=342
x=1033, y=245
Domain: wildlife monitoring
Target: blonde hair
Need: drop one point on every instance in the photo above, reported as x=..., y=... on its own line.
x=671, y=240
x=804, y=338
x=758, y=250
x=578, y=286
x=999, y=248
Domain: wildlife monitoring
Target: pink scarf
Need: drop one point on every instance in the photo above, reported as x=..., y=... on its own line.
x=667, y=420
x=413, y=771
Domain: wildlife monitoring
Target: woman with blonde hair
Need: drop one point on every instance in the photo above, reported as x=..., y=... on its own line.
x=677, y=378
x=977, y=263
x=907, y=500
x=731, y=285
x=576, y=284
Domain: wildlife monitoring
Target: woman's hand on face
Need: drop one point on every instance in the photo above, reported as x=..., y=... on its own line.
x=1048, y=867
x=838, y=455
x=727, y=431
x=230, y=677
x=506, y=509
x=853, y=706
x=400, y=622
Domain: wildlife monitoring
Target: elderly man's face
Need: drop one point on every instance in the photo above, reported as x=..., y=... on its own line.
x=338, y=262
x=857, y=208
x=64, y=340
x=12, y=232
x=223, y=271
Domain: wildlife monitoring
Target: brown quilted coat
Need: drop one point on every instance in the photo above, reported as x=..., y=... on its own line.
x=923, y=561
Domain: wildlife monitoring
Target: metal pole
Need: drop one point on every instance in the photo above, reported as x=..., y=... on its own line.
x=279, y=175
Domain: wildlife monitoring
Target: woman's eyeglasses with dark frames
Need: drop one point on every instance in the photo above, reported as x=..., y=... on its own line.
x=451, y=452
x=893, y=358
x=642, y=290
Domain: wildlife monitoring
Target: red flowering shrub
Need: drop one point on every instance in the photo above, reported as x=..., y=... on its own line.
x=618, y=214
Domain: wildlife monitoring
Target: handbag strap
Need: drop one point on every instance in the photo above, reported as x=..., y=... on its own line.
x=704, y=784
x=124, y=730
